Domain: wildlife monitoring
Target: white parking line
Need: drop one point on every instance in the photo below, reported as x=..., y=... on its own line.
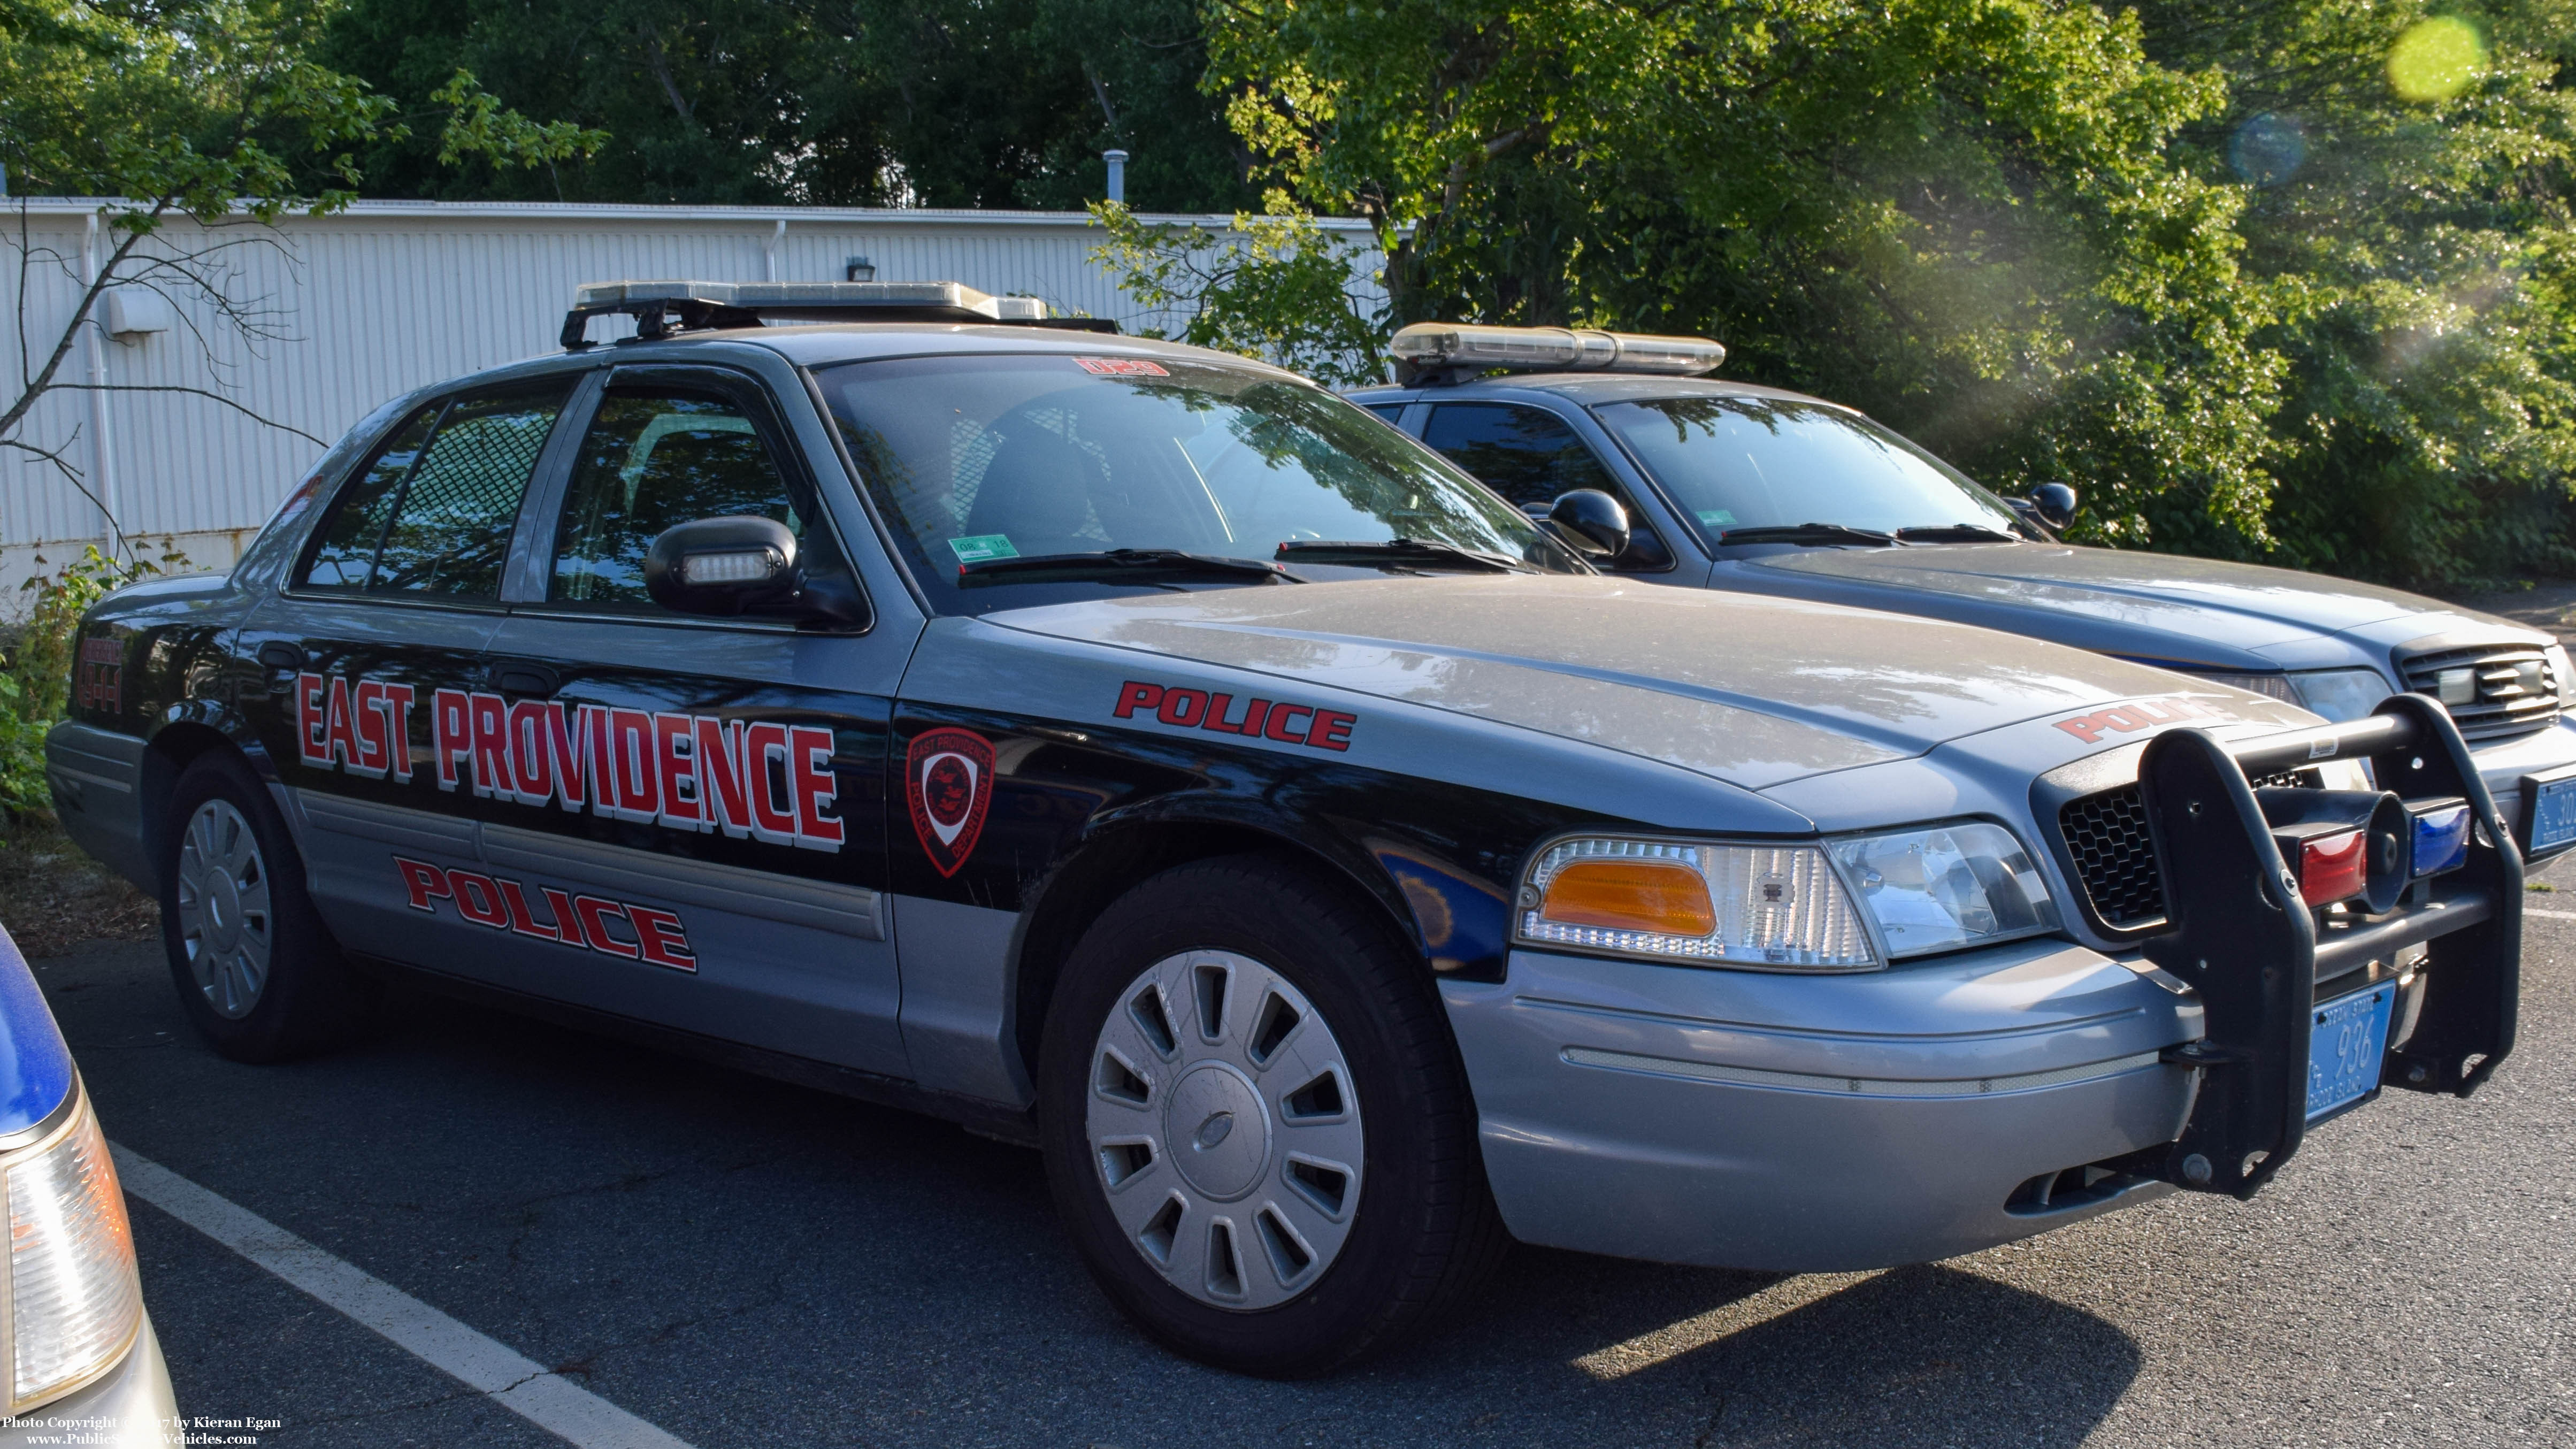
x=516, y=1383
x=2553, y=915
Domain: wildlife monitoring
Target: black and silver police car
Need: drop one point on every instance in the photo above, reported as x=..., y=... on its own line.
x=1141, y=752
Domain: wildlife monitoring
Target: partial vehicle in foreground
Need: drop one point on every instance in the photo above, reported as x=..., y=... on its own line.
x=1730, y=485
x=1142, y=753
x=84, y=1365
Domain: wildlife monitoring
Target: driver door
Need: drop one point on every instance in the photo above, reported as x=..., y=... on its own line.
x=710, y=793
x=1530, y=456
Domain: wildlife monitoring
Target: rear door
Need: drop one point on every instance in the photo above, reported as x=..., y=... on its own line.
x=379, y=631
x=700, y=802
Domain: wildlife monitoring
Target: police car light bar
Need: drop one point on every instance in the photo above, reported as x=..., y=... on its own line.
x=661, y=308
x=1455, y=348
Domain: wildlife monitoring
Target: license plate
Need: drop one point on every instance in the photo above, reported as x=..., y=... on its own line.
x=2345, y=1047
x=2553, y=813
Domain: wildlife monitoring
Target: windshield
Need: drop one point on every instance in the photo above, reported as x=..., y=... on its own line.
x=1746, y=462
x=972, y=459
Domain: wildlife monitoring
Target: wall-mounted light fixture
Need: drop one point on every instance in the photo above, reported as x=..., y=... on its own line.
x=858, y=269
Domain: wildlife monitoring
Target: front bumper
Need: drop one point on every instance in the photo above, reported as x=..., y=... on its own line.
x=1808, y=1123
x=1817, y=1123
x=132, y=1408
x=2504, y=765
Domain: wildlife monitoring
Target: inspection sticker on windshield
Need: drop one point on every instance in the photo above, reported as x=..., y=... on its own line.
x=1121, y=366
x=977, y=548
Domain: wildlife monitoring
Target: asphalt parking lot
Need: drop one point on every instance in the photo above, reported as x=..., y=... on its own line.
x=745, y=1263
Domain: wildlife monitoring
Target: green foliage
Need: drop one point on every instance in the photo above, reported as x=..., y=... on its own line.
x=993, y=103
x=1277, y=287
x=196, y=105
x=2415, y=229
x=36, y=671
x=2030, y=233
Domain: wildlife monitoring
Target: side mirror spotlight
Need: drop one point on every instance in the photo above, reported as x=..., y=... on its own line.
x=2054, y=503
x=1591, y=522
x=742, y=564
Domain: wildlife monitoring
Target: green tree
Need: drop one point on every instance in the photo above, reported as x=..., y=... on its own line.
x=197, y=108
x=2408, y=185
x=1275, y=286
x=995, y=103
x=1962, y=216
x=2046, y=238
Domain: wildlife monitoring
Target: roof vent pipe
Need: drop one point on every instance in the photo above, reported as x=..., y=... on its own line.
x=1117, y=175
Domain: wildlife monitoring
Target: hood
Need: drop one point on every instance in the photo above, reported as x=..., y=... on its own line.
x=1743, y=688
x=2166, y=606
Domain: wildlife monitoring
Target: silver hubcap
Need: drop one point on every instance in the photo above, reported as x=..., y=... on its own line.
x=1225, y=1130
x=224, y=919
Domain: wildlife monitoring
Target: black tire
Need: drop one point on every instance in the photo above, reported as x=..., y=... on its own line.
x=307, y=998
x=1424, y=1229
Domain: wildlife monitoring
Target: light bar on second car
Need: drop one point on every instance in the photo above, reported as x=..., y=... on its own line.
x=1553, y=349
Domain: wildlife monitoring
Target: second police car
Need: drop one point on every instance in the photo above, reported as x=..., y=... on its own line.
x=1731, y=485
x=1139, y=751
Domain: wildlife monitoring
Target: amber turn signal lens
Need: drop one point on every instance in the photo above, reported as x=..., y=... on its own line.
x=1631, y=895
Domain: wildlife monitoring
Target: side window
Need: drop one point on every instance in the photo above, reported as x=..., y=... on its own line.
x=433, y=513
x=349, y=541
x=1393, y=412
x=1530, y=456
x=655, y=458
x=1525, y=454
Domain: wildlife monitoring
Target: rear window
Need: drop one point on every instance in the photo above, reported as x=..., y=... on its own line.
x=972, y=458
x=432, y=513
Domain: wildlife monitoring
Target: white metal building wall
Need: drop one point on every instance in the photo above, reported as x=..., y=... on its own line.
x=388, y=296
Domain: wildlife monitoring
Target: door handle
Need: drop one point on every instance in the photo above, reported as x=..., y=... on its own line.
x=533, y=680
x=278, y=654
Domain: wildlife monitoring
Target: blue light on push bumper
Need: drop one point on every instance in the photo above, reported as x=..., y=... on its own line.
x=2441, y=839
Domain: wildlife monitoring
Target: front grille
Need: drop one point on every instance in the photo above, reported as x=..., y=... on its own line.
x=2516, y=690
x=2114, y=858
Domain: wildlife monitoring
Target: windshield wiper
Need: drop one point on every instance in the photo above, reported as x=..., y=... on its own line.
x=1955, y=533
x=1119, y=564
x=1804, y=533
x=1420, y=552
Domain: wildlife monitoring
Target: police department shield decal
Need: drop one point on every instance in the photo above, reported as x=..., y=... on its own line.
x=948, y=782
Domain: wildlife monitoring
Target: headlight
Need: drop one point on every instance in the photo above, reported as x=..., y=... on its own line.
x=74, y=1300
x=2341, y=694
x=1771, y=907
x=1947, y=886
x=2275, y=685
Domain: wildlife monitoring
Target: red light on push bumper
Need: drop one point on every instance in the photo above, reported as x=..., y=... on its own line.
x=2334, y=867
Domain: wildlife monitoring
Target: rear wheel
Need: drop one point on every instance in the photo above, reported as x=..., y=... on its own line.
x=1255, y=1122
x=257, y=972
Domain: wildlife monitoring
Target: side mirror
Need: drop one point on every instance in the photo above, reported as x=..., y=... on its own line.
x=2055, y=504
x=723, y=566
x=1591, y=522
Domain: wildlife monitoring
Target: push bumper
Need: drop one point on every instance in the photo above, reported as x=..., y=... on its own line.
x=132, y=1408
x=1816, y=1123
x=1819, y=1123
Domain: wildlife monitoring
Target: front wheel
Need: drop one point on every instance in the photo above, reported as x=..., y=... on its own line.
x=1256, y=1125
